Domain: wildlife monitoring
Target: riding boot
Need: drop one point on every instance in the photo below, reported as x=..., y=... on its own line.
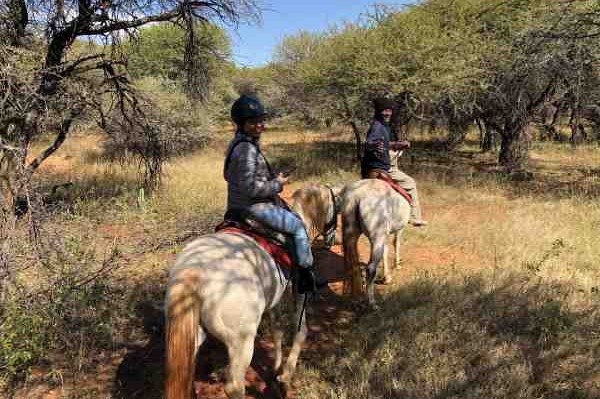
x=309, y=280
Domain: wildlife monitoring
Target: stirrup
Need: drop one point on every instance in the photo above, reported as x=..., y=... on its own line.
x=309, y=282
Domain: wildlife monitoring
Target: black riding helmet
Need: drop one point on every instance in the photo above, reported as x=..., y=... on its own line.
x=246, y=107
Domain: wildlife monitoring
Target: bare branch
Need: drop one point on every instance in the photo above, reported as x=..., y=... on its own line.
x=60, y=138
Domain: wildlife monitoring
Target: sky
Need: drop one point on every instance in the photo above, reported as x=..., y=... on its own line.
x=254, y=45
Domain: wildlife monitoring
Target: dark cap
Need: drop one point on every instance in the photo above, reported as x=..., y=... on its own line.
x=382, y=103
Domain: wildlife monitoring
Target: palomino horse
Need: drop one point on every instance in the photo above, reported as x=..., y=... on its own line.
x=318, y=205
x=223, y=284
x=372, y=207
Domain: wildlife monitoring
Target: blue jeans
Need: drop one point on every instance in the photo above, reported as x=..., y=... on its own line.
x=285, y=222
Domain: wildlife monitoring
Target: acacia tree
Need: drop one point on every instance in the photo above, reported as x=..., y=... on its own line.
x=330, y=76
x=44, y=88
x=495, y=63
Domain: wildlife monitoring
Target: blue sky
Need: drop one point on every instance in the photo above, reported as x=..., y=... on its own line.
x=253, y=45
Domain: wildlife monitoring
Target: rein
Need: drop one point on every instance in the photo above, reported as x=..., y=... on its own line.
x=331, y=225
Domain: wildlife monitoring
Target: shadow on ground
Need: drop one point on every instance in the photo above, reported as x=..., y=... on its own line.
x=440, y=340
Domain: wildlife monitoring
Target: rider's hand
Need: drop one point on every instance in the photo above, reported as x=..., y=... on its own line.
x=399, y=145
x=282, y=179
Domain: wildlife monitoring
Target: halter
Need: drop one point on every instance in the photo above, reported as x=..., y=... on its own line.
x=331, y=225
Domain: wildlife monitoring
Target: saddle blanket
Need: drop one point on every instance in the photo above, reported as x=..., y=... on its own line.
x=279, y=254
x=386, y=178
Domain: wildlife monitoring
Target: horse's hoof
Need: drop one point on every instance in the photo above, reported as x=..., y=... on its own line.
x=283, y=390
x=384, y=281
x=374, y=307
x=278, y=388
x=283, y=383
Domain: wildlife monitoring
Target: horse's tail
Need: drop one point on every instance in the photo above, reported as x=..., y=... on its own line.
x=351, y=230
x=182, y=305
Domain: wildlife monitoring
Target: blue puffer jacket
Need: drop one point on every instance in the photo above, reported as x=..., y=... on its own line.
x=248, y=174
x=376, y=149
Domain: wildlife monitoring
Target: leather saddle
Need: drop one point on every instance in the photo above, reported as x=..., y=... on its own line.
x=275, y=243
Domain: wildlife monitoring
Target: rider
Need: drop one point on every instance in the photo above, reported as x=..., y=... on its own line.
x=378, y=148
x=252, y=187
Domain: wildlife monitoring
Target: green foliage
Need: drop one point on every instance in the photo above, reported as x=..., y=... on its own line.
x=158, y=51
x=496, y=61
x=22, y=342
x=70, y=310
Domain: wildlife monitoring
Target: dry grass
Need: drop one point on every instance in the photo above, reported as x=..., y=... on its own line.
x=497, y=298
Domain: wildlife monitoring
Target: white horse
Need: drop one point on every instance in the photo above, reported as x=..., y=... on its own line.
x=223, y=284
x=373, y=208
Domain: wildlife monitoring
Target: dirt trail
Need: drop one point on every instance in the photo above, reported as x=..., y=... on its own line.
x=330, y=315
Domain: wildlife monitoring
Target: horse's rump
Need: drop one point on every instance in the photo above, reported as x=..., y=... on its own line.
x=280, y=255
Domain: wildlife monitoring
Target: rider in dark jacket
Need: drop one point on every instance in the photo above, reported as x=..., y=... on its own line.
x=377, y=150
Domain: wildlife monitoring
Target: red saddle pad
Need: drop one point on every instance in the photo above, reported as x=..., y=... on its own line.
x=279, y=254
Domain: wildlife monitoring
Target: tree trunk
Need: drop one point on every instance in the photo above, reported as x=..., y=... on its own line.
x=577, y=131
x=457, y=132
x=487, y=136
x=358, y=140
x=513, y=148
x=19, y=19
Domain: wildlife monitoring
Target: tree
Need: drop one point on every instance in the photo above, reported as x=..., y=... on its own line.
x=44, y=89
x=496, y=63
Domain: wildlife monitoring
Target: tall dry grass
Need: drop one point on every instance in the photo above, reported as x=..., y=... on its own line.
x=497, y=297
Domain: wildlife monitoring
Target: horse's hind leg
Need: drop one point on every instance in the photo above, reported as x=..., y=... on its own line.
x=240, y=352
x=377, y=251
x=387, y=278
x=273, y=317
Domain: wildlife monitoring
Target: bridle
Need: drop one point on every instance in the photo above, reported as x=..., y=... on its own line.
x=332, y=224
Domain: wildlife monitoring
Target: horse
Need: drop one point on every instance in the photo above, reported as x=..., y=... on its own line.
x=373, y=208
x=224, y=284
x=318, y=205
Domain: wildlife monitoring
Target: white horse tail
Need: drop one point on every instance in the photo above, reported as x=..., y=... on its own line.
x=183, y=321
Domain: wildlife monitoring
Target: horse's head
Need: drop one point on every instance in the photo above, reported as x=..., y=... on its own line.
x=335, y=192
x=318, y=206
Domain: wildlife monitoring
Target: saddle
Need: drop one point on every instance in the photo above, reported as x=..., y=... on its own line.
x=385, y=177
x=275, y=243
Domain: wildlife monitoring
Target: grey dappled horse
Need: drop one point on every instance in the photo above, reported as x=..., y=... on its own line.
x=373, y=208
x=223, y=284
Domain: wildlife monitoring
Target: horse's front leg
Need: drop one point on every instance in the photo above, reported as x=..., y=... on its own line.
x=301, y=329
